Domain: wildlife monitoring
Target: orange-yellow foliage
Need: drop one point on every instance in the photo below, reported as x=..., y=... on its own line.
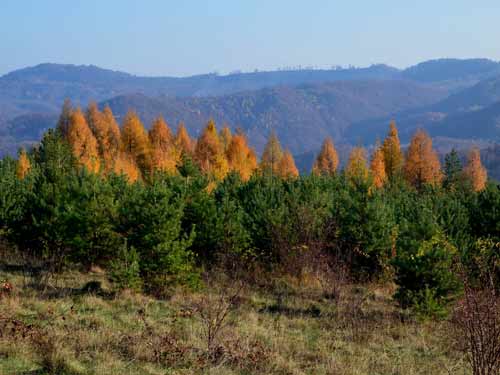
x=327, y=161
x=240, y=157
x=474, y=170
x=183, y=142
x=356, y=169
x=286, y=166
x=83, y=142
x=164, y=153
x=393, y=157
x=422, y=164
x=23, y=165
x=125, y=165
x=209, y=153
x=113, y=137
x=135, y=142
x=377, y=168
x=225, y=137
x=272, y=155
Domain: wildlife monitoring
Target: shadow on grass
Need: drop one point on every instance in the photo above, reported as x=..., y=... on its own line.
x=90, y=288
x=279, y=309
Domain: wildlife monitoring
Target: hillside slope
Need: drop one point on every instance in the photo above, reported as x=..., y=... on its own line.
x=302, y=116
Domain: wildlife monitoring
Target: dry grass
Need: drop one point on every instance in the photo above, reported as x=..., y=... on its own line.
x=283, y=328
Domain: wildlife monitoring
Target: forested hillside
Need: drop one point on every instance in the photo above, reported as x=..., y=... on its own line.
x=163, y=214
x=30, y=97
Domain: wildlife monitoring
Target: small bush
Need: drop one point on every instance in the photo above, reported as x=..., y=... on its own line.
x=426, y=280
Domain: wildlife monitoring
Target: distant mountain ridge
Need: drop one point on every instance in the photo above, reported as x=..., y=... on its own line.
x=302, y=116
x=353, y=105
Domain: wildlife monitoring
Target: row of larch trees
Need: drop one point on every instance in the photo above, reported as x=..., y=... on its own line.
x=419, y=166
x=101, y=146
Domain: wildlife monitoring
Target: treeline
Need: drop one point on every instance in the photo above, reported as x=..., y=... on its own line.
x=155, y=208
x=101, y=146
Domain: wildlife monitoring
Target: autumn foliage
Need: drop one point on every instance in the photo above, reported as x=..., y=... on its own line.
x=23, y=165
x=241, y=157
x=271, y=156
x=83, y=142
x=422, y=163
x=474, y=171
x=101, y=146
x=377, y=167
x=393, y=156
x=357, y=169
x=327, y=160
x=286, y=166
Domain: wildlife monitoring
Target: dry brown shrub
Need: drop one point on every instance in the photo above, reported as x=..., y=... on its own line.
x=477, y=319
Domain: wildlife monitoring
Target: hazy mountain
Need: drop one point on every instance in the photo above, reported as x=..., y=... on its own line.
x=43, y=88
x=353, y=105
x=448, y=70
x=473, y=112
x=302, y=116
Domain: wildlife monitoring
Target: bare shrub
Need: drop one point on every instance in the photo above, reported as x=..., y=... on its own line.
x=158, y=347
x=477, y=317
x=333, y=275
x=215, y=310
x=250, y=355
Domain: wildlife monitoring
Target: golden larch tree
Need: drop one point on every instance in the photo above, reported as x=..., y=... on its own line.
x=393, y=156
x=327, y=161
x=356, y=169
x=83, y=142
x=225, y=137
x=183, y=141
x=99, y=127
x=377, y=167
x=111, y=144
x=135, y=142
x=272, y=155
x=163, y=150
x=126, y=165
x=240, y=157
x=209, y=153
x=474, y=172
x=422, y=164
x=287, y=167
x=23, y=165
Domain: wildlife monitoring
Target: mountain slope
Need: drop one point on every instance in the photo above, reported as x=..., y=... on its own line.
x=302, y=116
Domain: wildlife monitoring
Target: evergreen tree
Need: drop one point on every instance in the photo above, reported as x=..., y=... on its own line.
x=452, y=169
x=327, y=161
x=65, y=117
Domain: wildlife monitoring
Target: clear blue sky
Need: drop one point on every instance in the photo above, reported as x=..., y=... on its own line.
x=185, y=37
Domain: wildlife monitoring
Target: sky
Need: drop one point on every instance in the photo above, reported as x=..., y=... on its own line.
x=187, y=37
